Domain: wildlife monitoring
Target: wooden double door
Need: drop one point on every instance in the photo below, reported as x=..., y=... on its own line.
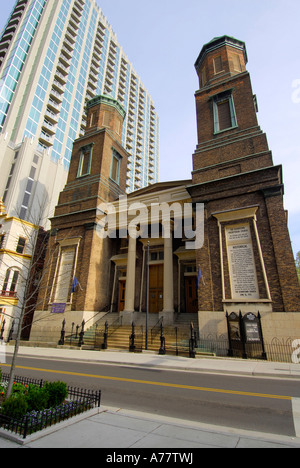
x=191, y=295
x=156, y=288
x=122, y=292
x=156, y=291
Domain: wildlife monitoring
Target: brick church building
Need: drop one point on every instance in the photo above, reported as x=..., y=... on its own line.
x=246, y=259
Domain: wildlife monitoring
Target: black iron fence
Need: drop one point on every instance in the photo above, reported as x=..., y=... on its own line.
x=276, y=350
x=78, y=401
x=244, y=340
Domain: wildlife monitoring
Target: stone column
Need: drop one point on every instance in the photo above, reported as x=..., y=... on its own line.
x=168, y=311
x=130, y=280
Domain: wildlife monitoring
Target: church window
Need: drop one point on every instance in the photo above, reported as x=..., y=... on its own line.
x=93, y=119
x=218, y=64
x=115, y=167
x=85, y=161
x=237, y=63
x=63, y=280
x=224, y=112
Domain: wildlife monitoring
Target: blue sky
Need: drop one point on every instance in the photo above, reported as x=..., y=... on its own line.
x=162, y=39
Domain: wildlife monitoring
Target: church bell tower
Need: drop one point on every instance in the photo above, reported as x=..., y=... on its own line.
x=247, y=255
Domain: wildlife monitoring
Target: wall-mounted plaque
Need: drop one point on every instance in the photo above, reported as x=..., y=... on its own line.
x=242, y=270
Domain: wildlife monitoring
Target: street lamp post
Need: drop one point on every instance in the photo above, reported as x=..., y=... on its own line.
x=147, y=289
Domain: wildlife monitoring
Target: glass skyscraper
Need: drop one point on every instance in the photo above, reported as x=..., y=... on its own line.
x=55, y=55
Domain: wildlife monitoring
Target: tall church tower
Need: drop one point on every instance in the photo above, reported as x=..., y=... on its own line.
x=97, y=176
x=247, y=260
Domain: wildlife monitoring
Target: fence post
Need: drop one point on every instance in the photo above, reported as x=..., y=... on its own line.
x=81, y=334
x=72, y=331
x=230, y=350
x=132, y=338
x=264, y=354
x=192, y=353
x=176, y=335
x=26, y=427
x=243, y=336
x=62, y=334
x=104, y=344
x=162, y=349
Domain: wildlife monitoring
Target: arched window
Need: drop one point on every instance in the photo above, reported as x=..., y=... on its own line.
x=9, y=288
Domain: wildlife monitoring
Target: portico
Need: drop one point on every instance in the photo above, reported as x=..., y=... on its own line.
x=148, y=268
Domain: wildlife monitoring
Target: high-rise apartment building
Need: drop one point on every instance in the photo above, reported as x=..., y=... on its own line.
x=54, y=57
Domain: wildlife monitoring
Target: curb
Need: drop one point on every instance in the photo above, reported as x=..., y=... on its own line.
x=49, y=430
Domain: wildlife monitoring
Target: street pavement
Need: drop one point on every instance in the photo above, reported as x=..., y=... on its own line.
x=119, y=428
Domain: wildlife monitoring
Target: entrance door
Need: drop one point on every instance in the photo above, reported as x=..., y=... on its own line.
x=122, y=291
x=191, y=296
x=156, y=280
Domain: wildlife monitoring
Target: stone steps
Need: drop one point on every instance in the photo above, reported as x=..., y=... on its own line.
x=119, y=335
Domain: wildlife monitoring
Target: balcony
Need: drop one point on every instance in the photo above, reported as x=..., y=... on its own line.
x=72, y=30
x=48, y=127
x=54, y=107
x=66, y=52
x=46, y=139
x=90, y=91
x=51, y=116
x=56, y=96
x=62, y=68
x=10, y=294
x=69, y=44
x=59, y=77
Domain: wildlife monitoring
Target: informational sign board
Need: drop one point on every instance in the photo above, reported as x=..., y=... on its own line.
x=58, y=308
x=242, y=270
x=245, y=335
x=252, y=328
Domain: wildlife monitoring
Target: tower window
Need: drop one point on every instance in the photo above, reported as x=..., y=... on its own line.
x=203, y=77
x=21, y=245
x=85, y=162
x=237, y=63
x=218, y=64
x=224, y=115
x=115, y=167
x=224, y=112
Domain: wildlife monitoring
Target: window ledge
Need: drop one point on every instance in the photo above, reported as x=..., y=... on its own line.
x=225, y=130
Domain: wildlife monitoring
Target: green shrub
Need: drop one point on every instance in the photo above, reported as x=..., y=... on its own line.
x=19, y=388
x=57, y=393
x=37, y=398
x=27, y=398
x=15, y=405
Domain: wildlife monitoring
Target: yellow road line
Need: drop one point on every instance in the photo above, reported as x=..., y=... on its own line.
x=159, y=384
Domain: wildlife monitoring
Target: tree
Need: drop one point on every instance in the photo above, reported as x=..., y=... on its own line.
x=30, y=277
x=28, y=295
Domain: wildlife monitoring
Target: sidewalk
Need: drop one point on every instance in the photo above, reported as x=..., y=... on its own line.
x=151, y=359
x=121, y=428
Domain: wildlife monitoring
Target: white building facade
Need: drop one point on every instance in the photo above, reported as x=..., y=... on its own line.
x=17, y=243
